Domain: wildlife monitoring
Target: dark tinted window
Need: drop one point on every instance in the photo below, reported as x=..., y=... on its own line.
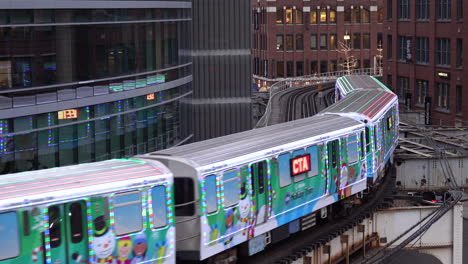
x=184, y=197
x=76, y=222
x=54, y=226
x=26, y=223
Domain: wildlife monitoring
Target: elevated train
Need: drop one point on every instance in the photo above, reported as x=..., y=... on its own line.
x=202, y=201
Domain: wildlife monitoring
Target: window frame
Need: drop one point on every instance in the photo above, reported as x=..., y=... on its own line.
x=115, y=206
x=150, y=192
x=17, y=233
x=236, y=178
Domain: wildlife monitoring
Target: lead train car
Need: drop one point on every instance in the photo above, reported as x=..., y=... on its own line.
x=113, y=211
x=365, y=98
x=237, y=187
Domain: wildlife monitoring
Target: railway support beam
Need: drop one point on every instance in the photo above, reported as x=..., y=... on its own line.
x=327, y=250
x=345, y=239
x=362, y=229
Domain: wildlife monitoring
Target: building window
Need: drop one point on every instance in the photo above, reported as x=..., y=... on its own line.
x=459, y=9
x=422, y=50
x=332, y=16
x=347, y=15
x=422, y=87
x=357, y=41
x=323, y=15
x=313, y=42
x=422, y=9
x=459, y=53
x=299, y=42
x=289, y=42
x=323, y=66
x=289, y=16
x=443, y=95
x=313, y=67
x=289, y=69
x=366, y=40
x=389, y=9
x=299, y=68
x=280, y=69
x=380, y=15
x=389, y=81
x=333, y=66
x=332, y=41
x=313, y=16
x=404, y=48
x=389, y=47
x=323, y=42
x=403, y=87
x=403, y=9
x=443, y=9
x=356, y=15
x=279, y=16
x=459, y=99
x=279, y=42
x=443, y=51
x=365, y=16
x=299, y=16
x=366, y=64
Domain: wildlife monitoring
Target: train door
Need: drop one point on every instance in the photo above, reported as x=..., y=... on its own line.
x=333, y=163
x=66, y=235
x=260, y=172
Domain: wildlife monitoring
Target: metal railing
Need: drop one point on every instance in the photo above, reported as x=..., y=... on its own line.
x=282, y=84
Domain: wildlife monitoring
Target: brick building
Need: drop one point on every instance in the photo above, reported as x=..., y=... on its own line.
x=301, y=37
x=423, y=56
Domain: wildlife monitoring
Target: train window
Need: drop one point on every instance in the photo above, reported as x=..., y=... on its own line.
x=76, y=222
x=184, y=196
x=283, y=170
x=389, y=123
x=313, y=152
x=211, y=197
x=352, y=149
x=26, y=228
x=54, y=226
x=368, y=143
x=231, y=188
x=128, y=213
x=158, y=195
x=334, y=154
x=261, y=172
x=362, y=144
x=9, y=232
x=299, y=163
x=376, y=132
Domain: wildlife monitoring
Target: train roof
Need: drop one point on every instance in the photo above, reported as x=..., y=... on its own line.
x=260, y=143
x=350, y=83
x=366, y=103
x=75, y=181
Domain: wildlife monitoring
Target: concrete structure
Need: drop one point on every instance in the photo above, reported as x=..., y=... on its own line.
x=423, y=58
x=301, y=37
x=222, y=68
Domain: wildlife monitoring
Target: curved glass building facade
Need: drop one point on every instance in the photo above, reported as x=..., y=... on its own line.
x=82, y=81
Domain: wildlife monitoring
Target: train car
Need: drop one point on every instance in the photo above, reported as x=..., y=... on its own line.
x=117, y=211
x=241, y=187
x=367, y=99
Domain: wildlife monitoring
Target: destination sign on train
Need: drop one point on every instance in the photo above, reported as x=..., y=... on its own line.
x=300, y=165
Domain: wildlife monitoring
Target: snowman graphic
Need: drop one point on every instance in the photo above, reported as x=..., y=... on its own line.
x=104, y=241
